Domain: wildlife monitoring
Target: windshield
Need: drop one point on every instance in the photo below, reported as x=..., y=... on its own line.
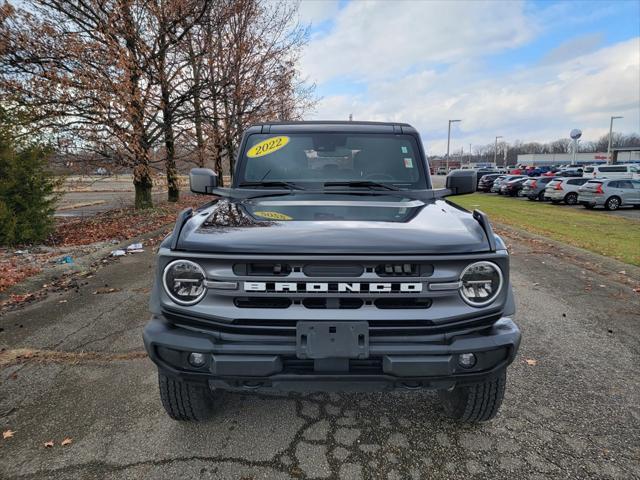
x=333, y=157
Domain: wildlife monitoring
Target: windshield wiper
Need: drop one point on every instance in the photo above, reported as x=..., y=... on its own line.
x=361, y=183
x=274, y=183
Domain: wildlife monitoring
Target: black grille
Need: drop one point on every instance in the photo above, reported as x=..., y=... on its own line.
x=287, y=328
x=371, y=366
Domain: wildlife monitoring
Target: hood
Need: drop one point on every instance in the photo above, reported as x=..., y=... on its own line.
x=305, y=223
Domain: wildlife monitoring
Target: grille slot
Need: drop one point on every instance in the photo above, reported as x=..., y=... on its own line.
x=262, y=302
x=262, y=269
x=333, y=303
x=402, y=303
x=333, y=270
x=404, y=270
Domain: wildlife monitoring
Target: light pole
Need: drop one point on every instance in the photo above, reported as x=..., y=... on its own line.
x=495, y=152
x=609, y=159
x=449, y=141
x=470, y=154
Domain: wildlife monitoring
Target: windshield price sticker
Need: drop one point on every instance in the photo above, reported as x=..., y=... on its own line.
x=267, y=146
x=408, y=163
x=273, y=215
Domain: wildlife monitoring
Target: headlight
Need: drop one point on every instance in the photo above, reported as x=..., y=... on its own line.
x=480, y=283
x=184, y=282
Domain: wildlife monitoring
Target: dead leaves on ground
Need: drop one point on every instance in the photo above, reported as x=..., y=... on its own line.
x=23, y=355
x=7, y=434
x=531, y=362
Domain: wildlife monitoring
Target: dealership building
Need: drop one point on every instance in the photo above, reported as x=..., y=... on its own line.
x=541, y=159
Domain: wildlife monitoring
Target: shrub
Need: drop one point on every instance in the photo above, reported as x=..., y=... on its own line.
x=27, y=196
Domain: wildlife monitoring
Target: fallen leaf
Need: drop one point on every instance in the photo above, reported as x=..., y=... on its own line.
x=531, y=362
x=66, y=441
x=106, y=290
x=48, y=444
x=7, y=434
x=62, y=301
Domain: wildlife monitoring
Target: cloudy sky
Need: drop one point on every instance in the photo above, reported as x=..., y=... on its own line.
x=527, y=70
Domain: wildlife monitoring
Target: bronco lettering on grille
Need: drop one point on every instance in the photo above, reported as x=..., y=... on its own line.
x=339, y=287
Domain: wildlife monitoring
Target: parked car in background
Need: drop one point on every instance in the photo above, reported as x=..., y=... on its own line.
x=441, y=171
x=480, y=172
x=610, y=193
x=533, y=188
x=512, y=187
x=500, y=181
x=486, y=182
x=564, y=189
x=630, y=171
x=570, y=172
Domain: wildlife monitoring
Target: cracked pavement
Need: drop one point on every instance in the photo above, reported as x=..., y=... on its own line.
x=575, y=414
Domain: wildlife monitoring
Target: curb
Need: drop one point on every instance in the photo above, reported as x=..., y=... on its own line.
x=80, y=264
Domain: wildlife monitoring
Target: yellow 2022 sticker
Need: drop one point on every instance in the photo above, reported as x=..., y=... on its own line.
x=273, y=215
x=267, y=146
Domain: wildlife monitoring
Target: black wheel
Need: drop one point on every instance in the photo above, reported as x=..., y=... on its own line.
x=541, y=196
x=475, y=403
x=571, y=198
x=612, y=203
x=185, y=401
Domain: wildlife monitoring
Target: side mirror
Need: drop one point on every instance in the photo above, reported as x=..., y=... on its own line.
x=461, y=182
x=202, y=180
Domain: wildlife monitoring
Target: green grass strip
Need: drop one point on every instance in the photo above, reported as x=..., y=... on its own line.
x=595, y=231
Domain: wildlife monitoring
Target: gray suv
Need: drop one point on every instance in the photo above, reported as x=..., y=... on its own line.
x=610, y=193
x=331, y=264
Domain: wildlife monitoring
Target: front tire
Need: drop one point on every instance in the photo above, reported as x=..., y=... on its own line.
x=475, y=403
x=185, y=401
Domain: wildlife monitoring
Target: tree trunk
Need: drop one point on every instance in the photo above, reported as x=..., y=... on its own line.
x=197, y=105
x=173, y=187
x=143, y=185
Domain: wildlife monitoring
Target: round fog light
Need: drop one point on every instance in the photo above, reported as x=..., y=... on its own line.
x=197, y=359
x=467, y=360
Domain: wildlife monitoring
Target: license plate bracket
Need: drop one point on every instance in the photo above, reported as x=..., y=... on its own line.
x=328, y=339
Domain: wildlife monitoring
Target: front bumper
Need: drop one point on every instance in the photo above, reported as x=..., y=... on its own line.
x=271, y=363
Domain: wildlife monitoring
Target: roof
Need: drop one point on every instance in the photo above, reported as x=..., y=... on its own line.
x=332, y=126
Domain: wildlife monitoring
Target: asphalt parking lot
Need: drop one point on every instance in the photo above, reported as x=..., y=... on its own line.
x=572, y=407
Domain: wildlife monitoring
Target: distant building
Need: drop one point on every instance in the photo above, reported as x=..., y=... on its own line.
x=541, y=159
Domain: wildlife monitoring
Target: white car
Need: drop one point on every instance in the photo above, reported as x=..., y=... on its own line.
x=564, y=190
x=627, y=171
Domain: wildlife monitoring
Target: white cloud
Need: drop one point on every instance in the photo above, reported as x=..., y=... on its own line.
x=540, y=103
x=316, y=11
x=373, y=40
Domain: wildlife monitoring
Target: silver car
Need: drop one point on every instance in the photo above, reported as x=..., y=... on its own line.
x=564, y=190
x=610, y=193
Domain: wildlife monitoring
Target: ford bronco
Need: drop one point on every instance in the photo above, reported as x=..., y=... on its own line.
x=332, y=264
